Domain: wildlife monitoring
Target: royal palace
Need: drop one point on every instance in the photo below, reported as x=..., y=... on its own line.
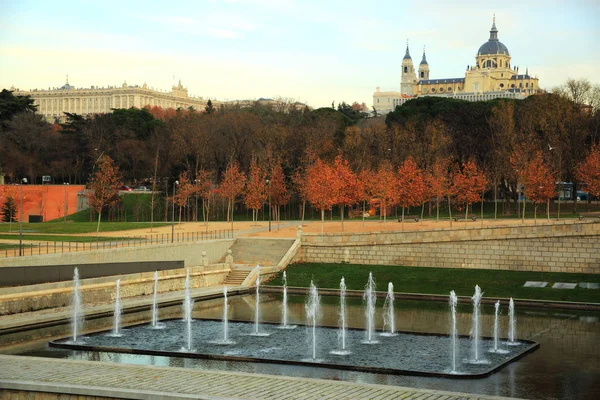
x=53, y=103
x=491, y=77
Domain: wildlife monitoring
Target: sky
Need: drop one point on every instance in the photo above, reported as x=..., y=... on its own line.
x=310, y=51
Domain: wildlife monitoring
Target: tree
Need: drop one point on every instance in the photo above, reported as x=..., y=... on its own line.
x=184, y=191
x=320, y=187
x=365, y=188
x=232, y=186
x=256, y=189
x=469, y=183
x=384, y=186
x=410, y=191
x=299, y=184
x=204, y=190
x=9, y=210
x=539, y=182
x=439, y=182
x=279, y=192
x=209, y=107
x=104, y=187
x=588, y=171
x=345, y=185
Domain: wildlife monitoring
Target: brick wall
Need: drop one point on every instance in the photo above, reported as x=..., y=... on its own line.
x=566, y=246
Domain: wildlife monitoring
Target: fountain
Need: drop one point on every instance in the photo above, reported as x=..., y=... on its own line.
x=371, y=297
x=453, y=330
x=77, y=307
x=475, y=330
x=496, y=349
x=312, y=314
x=117, y=314
x=257, y=306
x=512, y=324
x=284, y=312
x=155, y=323
x=187, y=301
x=342, y=319
x=416, y=353
x=389, y=318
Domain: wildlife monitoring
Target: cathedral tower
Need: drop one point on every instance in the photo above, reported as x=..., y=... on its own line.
x=423, y=67
x=408, y=77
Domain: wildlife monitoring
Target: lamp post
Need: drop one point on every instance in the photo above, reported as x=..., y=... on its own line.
x=65, y=184
x=24, y=180
x=269, y=196
x=196, y=194
x=173, y=212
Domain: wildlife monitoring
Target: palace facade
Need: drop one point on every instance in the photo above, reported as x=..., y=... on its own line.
x=491, y=77
x=53, y=103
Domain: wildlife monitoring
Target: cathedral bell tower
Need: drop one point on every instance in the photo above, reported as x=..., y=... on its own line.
x=423, y=68
x=408, y=77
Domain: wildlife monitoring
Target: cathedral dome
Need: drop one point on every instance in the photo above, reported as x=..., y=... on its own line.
x=493, y=45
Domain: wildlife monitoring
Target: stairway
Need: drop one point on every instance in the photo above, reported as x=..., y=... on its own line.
x=236, y=277
x=266, y=252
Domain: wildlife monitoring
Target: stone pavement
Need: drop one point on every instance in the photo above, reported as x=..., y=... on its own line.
x=150, y=382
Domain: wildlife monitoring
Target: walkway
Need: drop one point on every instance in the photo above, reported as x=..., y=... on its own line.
x=150, y=382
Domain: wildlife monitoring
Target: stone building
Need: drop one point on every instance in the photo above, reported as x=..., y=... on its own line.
x=53, y=103
x=491, y=77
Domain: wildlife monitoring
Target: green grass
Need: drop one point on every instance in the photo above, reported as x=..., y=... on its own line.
x=76, y=227
x=61, y=238
x=9, y=246
x=425, y=280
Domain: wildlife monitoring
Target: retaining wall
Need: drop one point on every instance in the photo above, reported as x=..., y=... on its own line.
x=189, y=252
x=566, y=246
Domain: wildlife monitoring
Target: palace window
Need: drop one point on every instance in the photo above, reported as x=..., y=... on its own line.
x=512, y=86
x=449, y=89
x=432, y=90
x=502, y=85
x=405, y=69
x=441, y=89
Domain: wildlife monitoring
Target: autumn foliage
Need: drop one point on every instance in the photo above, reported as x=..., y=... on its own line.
x=104, y=186
x=232, y=186
x=278, y=190
x=469, y=184
x=256, y=189
x=411, y=187
x=321, y=187
x=589, y=171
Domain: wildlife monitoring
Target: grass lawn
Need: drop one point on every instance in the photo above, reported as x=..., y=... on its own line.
x=424, y=280
x=61, y=238
x=76, y=227
x=8, y=246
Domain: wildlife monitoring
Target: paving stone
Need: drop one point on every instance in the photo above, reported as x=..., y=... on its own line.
x=589, y=285
x=535, y=284
x=564, y=285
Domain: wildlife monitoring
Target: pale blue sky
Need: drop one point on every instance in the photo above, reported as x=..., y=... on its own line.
x=312, y=51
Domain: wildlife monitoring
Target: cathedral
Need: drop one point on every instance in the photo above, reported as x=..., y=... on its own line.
x=491, y=77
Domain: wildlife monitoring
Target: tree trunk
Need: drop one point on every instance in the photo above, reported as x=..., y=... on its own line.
x=402, y=217
x=535, y=213
x=303, y=209
x=437, y=204
x=363, y=216
x=450, y=211
x=496, y=200
x=466, y=213
x=98, y=226
x=342, y=214
x=524, y=203
x=548, y=209
x=422, y=212
x=322, y=219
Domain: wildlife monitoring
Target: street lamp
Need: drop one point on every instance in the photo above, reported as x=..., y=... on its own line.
x=65, y=184
x=24, y=180
x=196, y=194
x=173, y=212
x=269, y=195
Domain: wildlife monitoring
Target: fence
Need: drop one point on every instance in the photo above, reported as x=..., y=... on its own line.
x=40, y=248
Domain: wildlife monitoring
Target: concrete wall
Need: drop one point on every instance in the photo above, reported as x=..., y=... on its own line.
x=569, y=246
x=102, y=290
x=189, y=252
x=40, y=274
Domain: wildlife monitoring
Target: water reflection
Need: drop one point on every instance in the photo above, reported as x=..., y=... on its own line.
x=567, y=364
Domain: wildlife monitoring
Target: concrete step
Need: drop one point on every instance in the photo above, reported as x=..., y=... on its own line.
x=266, y=252
x=236, y=277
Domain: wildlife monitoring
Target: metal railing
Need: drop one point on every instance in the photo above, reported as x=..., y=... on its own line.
x=42, y=248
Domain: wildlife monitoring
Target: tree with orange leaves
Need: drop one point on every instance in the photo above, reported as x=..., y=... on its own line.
x=588, y=171
x=469, y=183
x=346, y=185
x=410, y=191
x=256, y=189
x=203, y=188
x=320, y=187
x=439, y=182
x=185, y=190
x=539, y=182
x=384, y=187
x=232, y=186
x=278, y=190
x=299, y=184
x=365, y=192
x=104, y=186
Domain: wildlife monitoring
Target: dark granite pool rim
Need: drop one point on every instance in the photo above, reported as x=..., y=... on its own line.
x=389, y=371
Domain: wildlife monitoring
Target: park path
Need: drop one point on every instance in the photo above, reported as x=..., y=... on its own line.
x=136, y=382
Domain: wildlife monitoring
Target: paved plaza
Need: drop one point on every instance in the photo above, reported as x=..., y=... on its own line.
x=90, y=378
